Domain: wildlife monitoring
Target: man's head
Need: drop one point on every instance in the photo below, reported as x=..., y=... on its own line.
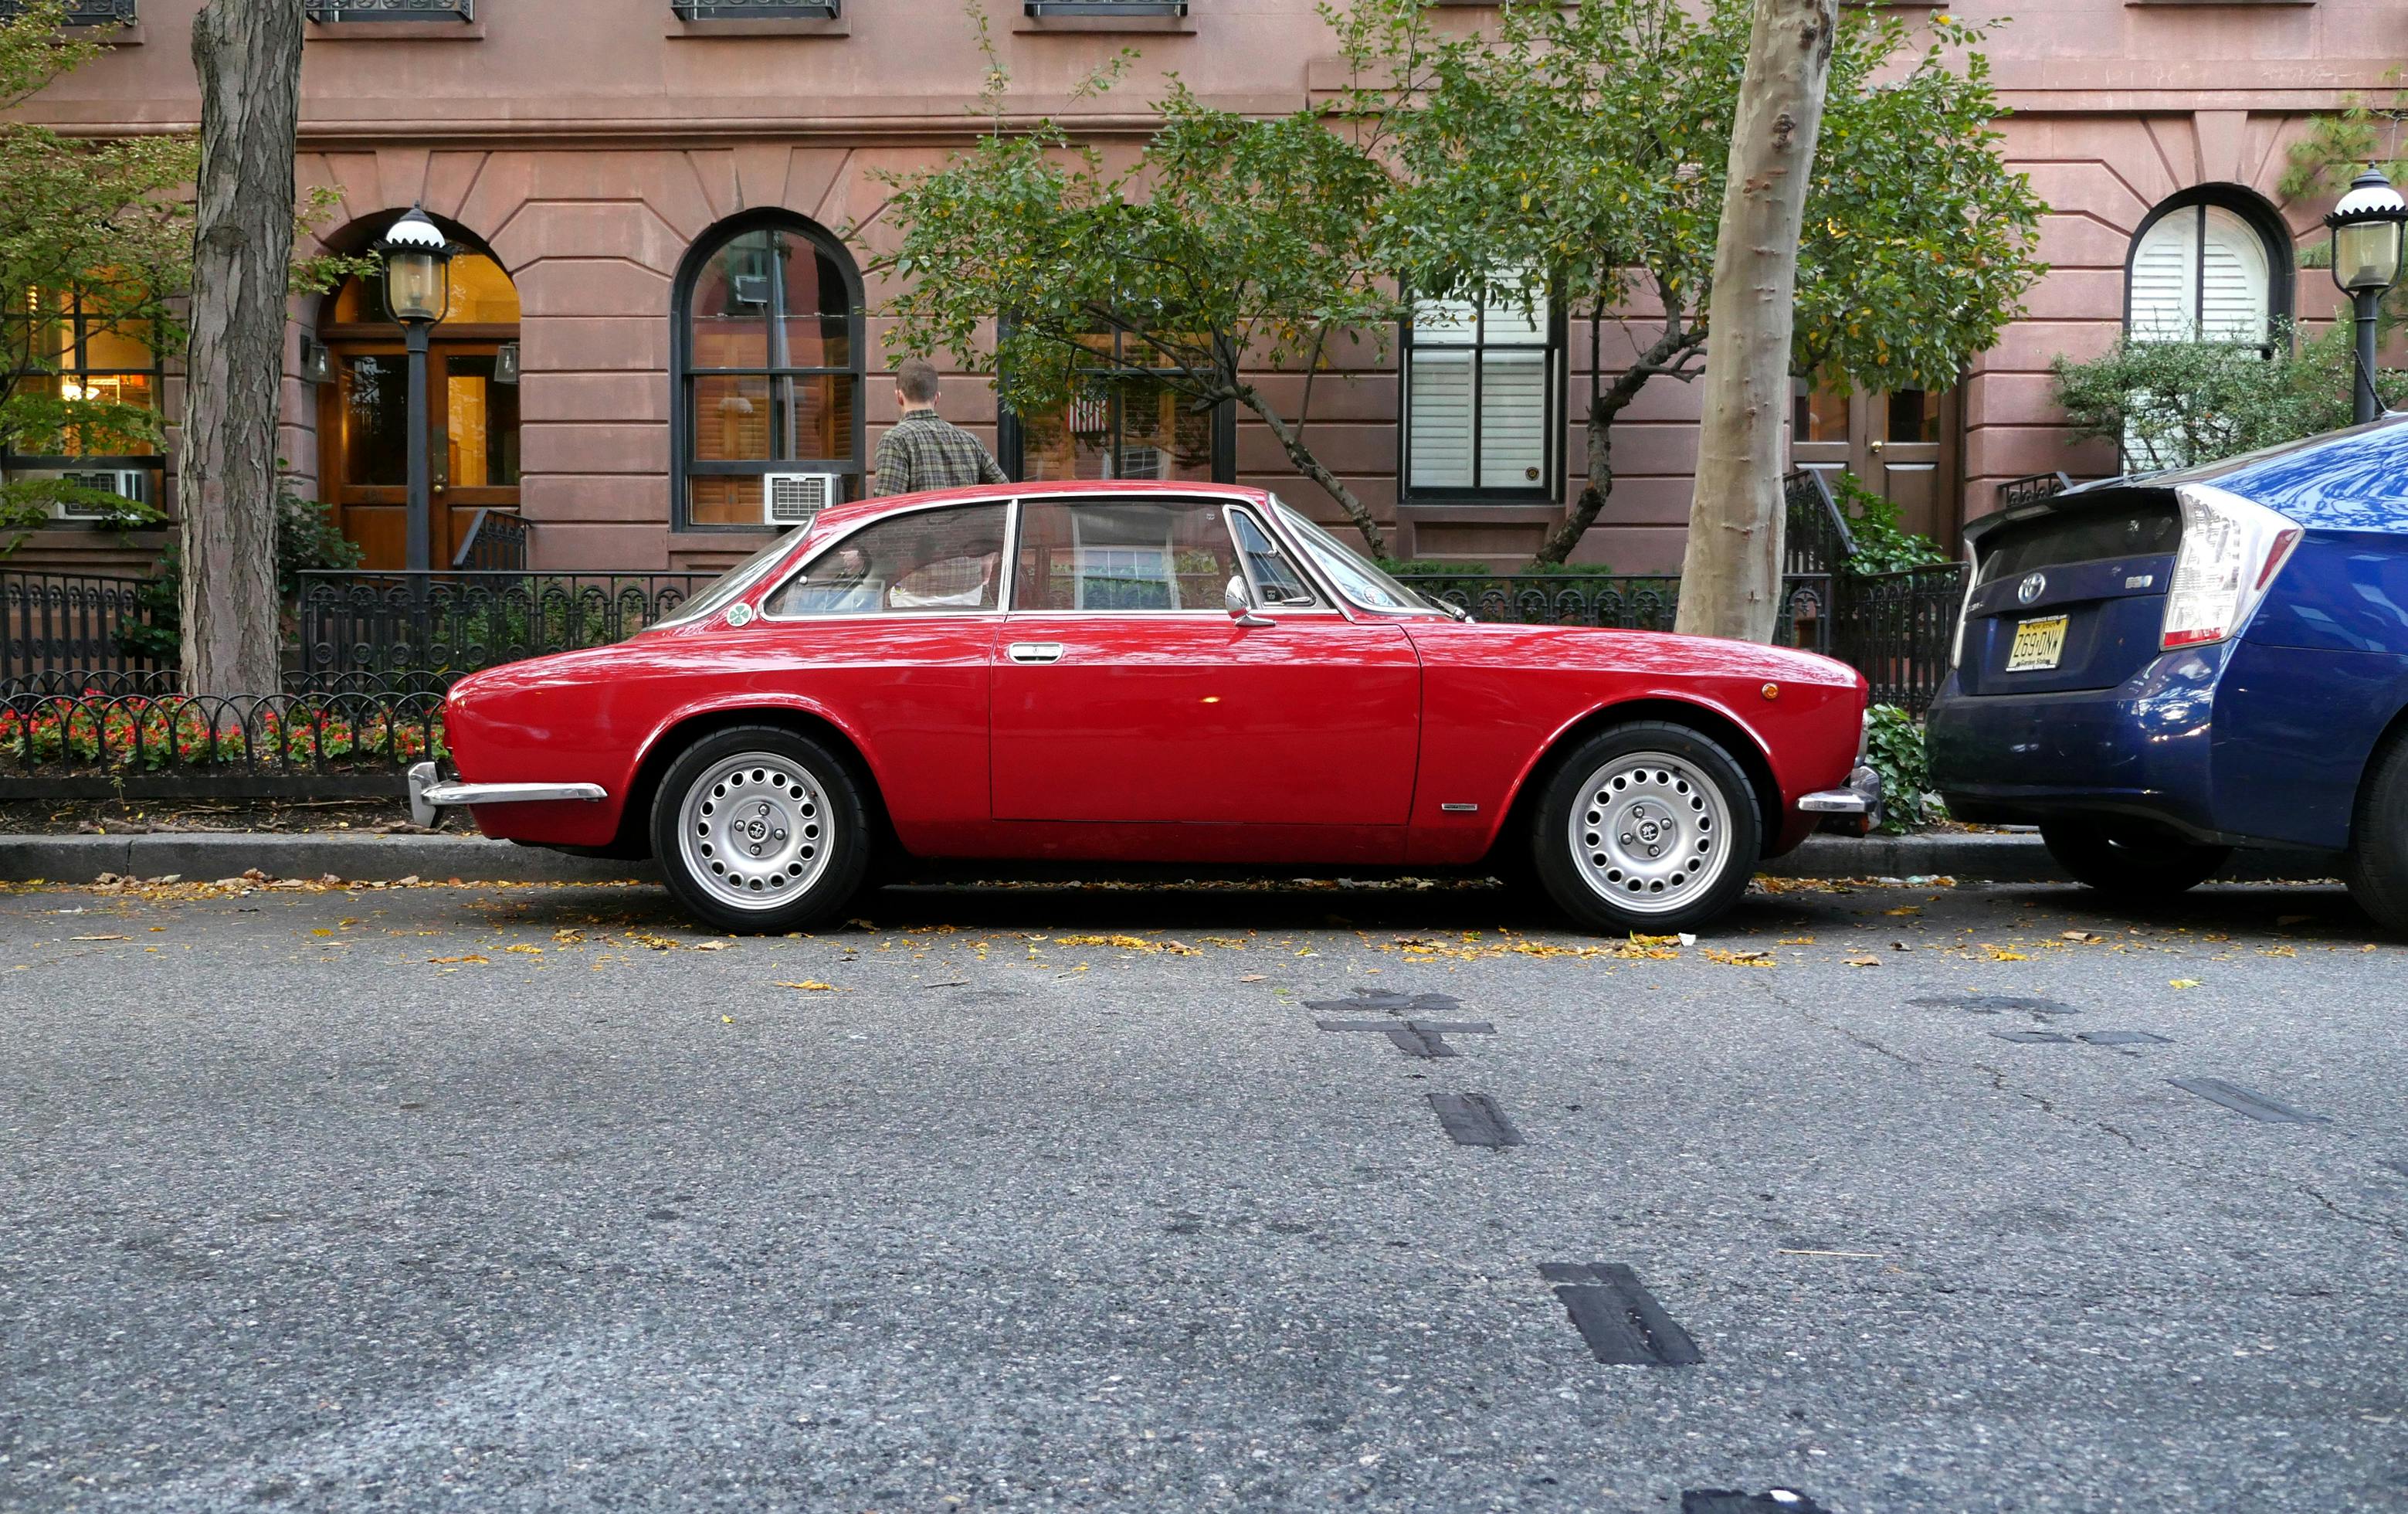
x=915, y=384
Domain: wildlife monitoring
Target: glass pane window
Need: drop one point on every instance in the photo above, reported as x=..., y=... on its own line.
x=1124, y=557
x=770, y=379
x=484, y=425
x=1914, y=415
x=925, y=561
x=1821, y=416
x=1480, y=401
x=1125, y=426
x=375, y=418
x=481, y=294
x=76, y=353
x=1275, y=579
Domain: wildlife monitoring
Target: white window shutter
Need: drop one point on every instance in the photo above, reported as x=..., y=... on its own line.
x=1513, y=418
x=2165, y=280
x=2233, y=279
x=1438, y=384
x=1441, y=322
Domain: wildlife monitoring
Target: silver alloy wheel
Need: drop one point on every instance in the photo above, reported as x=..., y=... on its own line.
x=1650, y=832
x=755, y=830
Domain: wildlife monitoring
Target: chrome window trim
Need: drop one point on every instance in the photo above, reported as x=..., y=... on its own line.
x=1232, y=508
x=1003, y=574
x=1328, y=585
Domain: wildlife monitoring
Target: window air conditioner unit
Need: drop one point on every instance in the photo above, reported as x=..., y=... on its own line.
x=132, y=483
x=796, y=498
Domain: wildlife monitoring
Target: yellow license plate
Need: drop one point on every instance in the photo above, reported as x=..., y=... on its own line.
x=2038, y=644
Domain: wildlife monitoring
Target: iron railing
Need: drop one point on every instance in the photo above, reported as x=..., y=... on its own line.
x=445, y=624
x=1816, y=539
x=2032, y=488
x=344, y=10
x=1613, y=601
x=496, y=540
x=106, y=740
x=755, y=9
x=82, y=12
x=1106, y=8
x=1898, y=630
x=50, y=621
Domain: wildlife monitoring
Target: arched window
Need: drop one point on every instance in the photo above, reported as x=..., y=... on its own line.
x=2209, y=265
x=769, y=358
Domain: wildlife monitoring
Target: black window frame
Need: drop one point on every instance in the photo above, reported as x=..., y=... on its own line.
x=710, y=10
x=1010, y=440
x=684, y=467
x=351, y=12
x=83, y=12
x=156, y=460
x=1549, y=488
x=2282, y=271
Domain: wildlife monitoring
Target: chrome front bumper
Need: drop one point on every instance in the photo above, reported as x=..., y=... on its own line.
x=429, y=794
x=1853, y=810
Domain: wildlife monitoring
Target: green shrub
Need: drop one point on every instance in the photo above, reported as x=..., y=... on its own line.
x=1893, y=747
x=1882, y=545
x=306, y=538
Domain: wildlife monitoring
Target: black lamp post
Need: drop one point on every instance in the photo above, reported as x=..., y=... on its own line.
x=2366, y=251
x=416, y=294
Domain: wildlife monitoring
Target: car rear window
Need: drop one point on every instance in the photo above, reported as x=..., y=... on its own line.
x=2138, y=526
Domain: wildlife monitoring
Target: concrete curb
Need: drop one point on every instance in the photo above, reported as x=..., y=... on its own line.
x=2009, y=857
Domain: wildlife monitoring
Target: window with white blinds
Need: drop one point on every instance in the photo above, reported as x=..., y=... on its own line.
x=1480, y=381
x=2202, y=273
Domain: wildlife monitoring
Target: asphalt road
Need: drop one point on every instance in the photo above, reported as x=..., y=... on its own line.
x=519, y=1199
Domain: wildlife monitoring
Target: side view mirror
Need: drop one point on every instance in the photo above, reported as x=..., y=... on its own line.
x=1241, y=604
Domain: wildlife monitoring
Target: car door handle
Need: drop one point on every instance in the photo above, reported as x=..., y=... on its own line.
x=1036, y=651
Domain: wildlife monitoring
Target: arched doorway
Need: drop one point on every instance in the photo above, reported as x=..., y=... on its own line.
x=472, y=398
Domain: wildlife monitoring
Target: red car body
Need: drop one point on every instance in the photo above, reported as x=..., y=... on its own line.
x=1360, y=738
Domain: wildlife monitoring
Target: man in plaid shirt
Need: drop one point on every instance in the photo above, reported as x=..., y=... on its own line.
x=924, y=451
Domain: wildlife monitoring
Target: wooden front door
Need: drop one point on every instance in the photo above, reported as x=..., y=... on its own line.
x=1902, y=445
x=364, y=432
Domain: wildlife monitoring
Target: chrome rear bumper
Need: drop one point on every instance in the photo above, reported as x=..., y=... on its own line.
x=429, y=794
x=1853, y=810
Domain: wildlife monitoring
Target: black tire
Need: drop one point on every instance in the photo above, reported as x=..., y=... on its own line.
x=1681, y=781
x=2129, y=858
x=807, y=804
x=2377, y=870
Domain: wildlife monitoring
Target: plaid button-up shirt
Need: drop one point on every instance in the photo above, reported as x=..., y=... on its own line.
x=924, y=451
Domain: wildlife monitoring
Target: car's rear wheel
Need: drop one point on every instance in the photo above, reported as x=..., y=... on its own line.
x=1649, y=827
x=2129, y=858
x=2377, y=869
x=760, y=828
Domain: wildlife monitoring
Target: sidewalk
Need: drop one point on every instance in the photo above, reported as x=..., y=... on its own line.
x=2013, y=858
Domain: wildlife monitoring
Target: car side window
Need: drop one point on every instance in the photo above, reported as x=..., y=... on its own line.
x=927, y=561
x=1276, y=580
x=1122, y=555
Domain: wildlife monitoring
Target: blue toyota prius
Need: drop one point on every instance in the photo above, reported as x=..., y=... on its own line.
x=2155, y=670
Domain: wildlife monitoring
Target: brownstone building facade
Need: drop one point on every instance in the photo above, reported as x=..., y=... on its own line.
x=660, y=308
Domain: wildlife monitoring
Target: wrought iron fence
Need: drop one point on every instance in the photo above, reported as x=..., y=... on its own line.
x=1616, y=602
x=81, y=12
x=51, y=622
x=753, y=9
x=2032, y=488
x=111, y=738
x=1897, y=629
x=339, y=11
x=445, y=624
x=496, y=540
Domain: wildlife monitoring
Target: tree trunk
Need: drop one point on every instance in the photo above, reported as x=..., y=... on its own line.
x=247, y=54
x=1291, y=440
x=1730, y=577
x=1665, y=357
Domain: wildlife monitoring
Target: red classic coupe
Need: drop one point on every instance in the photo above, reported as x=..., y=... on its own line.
x=1122, y=672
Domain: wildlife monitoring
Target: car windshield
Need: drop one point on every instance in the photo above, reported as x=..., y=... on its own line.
x=1354, y=576
x=734, y=582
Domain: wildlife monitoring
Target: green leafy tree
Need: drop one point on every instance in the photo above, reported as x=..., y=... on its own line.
x=2171, y=404
x=1230, y=244
x=2334, y=147
x=1588, y=142
x=95, y=240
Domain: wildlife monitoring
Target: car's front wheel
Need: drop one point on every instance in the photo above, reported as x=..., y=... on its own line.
x=2130, y=859
x=1648, y=826
x=760, y=828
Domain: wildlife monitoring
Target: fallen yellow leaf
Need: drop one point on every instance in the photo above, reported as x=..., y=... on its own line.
x=810, y=985
x=2182, y=982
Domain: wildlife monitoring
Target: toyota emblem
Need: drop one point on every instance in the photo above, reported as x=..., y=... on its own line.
x=2031, y=588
